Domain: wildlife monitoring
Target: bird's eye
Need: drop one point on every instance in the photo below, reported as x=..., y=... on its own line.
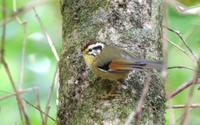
x=90, y=50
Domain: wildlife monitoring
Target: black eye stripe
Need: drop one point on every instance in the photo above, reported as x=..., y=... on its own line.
x=98, y=47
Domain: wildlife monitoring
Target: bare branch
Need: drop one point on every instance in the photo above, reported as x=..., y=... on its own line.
x=184, y=67
x=181, y=88
x=38, y=105
x=50, y=94
x=47, y=36
x=24, y=24
x=137, y=113
x=171, y=114
x=39, y=110
x=20, y=92
x=57, y=58
x=180, y=36
x=18, y=96
x=197, y=105
x=25, y=8
x=181, y=49
x=179, y=118
x=3, y=32
x=189, y=99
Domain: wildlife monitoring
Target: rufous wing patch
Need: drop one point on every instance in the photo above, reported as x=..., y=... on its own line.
x=114, y=65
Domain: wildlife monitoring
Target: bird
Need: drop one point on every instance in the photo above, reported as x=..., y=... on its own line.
x=113, y=63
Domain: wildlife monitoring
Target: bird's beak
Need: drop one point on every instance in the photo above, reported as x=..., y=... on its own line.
x=80, y=55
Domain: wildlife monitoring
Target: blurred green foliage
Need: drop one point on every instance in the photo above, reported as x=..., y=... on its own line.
x=189, y=27
x=40, y=64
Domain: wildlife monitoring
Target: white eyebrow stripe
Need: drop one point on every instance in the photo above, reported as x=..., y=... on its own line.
x=96, y=45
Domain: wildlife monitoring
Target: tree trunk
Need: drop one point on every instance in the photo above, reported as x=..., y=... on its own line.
x=127, y=24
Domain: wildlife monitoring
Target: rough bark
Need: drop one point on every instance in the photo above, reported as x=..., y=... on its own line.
x=126, y=24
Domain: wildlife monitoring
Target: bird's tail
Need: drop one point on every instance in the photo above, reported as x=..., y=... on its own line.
x=153, y=64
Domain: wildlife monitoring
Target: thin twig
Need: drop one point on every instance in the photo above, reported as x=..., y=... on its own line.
x=24, y=24
x=55, y=55
x=22, y=59
x=20, y=92
x=23, y=9
x=18, y=96
x=180, y=49
x=50, y=94
x=38, y=104
x=181, y=88
x=165, y=58
x=197, y=105
x=136, y=114
x=184, y=67
x=171, y=114
x=57, y=93
x=180, y=36
x=47, y=36
x=188, y=34
x=39, y=109
x=189, y=99
x=3, y=31
x=179, y=118
x=141, y=101
x=165, y=46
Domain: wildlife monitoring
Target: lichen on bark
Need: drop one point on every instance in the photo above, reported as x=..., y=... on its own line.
x=127, y=24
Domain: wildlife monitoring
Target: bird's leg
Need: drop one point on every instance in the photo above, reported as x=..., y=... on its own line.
x=111, y=91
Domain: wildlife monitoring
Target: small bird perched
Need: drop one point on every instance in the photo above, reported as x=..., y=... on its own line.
x=113, y=63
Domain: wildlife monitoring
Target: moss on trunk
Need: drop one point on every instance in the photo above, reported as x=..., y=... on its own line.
x=132, y=25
